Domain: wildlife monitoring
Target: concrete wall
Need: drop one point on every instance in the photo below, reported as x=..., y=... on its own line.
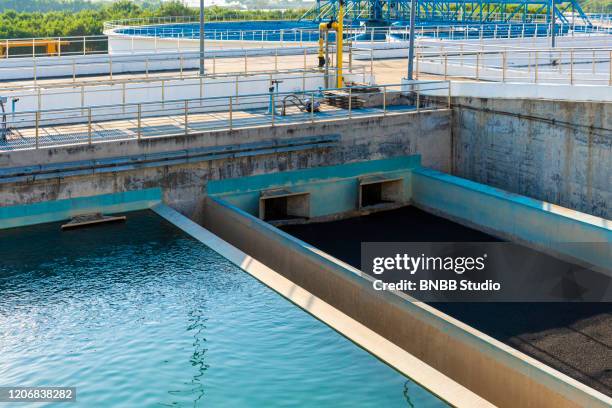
x=497, y=373
x=554, y=151
x=183, y=182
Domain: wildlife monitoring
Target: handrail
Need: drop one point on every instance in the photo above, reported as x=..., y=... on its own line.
x=181, y=117
x=548, y=66
x=247, y=95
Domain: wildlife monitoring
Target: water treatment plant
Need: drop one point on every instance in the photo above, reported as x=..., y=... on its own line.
x=383, y=203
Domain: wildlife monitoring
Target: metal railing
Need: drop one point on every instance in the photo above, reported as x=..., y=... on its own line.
x=164, y=37
x=177, y=118
x=76, y=71
x=557, y=65
x=122, y=89
x=62, y=46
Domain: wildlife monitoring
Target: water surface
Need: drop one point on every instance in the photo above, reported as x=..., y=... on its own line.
x=139, y=315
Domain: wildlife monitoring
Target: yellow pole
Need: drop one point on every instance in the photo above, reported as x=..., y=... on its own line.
x=339, y=44
x=322, y=28
x=338, y=27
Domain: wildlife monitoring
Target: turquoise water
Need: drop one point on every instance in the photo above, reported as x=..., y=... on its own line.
x=140, y=315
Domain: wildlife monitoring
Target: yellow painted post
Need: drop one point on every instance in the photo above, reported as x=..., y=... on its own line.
x=340, y=44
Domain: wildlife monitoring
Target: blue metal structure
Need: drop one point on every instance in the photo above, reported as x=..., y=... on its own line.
x=388, y=12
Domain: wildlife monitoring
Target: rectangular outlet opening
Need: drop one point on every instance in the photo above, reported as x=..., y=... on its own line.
x=376, y=192
x=283, y=205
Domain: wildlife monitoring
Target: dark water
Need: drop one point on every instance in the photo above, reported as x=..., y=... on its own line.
x=575, y=338
x=139, y=314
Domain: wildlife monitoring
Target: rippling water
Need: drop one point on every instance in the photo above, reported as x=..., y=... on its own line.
x=139, y=314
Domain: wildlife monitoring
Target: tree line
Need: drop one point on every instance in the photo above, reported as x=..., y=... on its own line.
x=69, y=20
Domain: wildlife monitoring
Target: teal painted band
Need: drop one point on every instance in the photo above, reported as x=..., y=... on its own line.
x=515, y=217
x=291, y=178
x=516, y=198
x=57, y=210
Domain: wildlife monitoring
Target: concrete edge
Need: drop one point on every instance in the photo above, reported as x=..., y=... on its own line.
x=423, y=374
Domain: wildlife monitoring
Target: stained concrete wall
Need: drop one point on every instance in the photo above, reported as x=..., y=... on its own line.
x=554, y=151
x=183, y=184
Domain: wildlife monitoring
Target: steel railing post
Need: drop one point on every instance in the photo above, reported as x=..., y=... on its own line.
x=504, y=59
x=139, y=122
x=89, y=137
x=418, y=99
x=273, y=108
x=37, y=116
x=230, y=113
x=572, y=67
x=384, y=101
x=535, y=74
x=186, y=117
x=350, y=103
x=445, y=65
x=610, y=69
x=312, y=102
